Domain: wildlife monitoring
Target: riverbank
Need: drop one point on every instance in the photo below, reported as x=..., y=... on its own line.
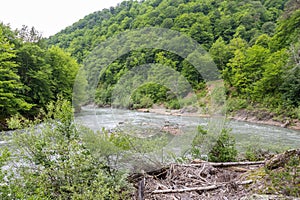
x=258, y=117
x=198, y=179
x=264, y=117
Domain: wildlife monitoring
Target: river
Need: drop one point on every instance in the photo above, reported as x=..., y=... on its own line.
x=245, y=133
x=261, y=136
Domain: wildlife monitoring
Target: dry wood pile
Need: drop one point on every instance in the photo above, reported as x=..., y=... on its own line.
x=202, y=180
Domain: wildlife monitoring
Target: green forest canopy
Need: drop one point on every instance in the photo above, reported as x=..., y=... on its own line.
x=255, y=45
x=31, y=75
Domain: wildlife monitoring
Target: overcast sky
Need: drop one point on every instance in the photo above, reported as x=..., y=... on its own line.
x=49, y=17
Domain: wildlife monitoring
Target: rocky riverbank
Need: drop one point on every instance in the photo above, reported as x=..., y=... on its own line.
x=264, y=117
x=259, y=117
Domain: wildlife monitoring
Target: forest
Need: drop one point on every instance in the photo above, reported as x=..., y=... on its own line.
x=255, y=45
x=255, y=48
x=32, y=74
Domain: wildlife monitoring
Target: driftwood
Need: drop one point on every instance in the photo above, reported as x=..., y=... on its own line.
x=141, y=189
x=201, y=180
x=281, y=159
x=204, y=180
x=206, y=188
x=211, y=187
x=225, y=164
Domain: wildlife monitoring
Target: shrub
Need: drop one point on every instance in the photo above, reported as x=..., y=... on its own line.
x=234, y=104
x=54, y=163
x=173, y=104
x=224, y=149
x=146, y=102
x=220, y=148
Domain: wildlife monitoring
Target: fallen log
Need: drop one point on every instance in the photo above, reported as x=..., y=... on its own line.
x=141, y=189
x=206, y=188
x=211, y=187
x=282, y=159
x=224, y=164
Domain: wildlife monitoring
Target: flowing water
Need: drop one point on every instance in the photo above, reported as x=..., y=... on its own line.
x=261, y=136
x=149, y=124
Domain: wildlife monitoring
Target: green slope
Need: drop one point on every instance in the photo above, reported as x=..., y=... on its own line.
x=253, y=43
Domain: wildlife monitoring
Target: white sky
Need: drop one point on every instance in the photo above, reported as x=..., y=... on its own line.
x=49, y=16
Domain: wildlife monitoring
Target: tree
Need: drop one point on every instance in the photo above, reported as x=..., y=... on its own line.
x=236, y=50
x=79, y=90
x=268, y=28
x=35, y=74
x=291, y=86
x=11, y=100
x=287, y=31
x=291, y=77
x=201, y=32
x=246, y=68
x=272, y=77
x=219, y=53
x=167, y=23
x=29, y=34
x=64, y=70
x=290, y=7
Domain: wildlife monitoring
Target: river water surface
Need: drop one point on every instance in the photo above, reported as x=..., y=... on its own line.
x=246, y=133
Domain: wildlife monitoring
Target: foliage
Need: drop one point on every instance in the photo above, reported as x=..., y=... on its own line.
x=246, y=39
x=290, y=87
x=287, y=179
x=128, y=148
x=234, y=104
x=11, y=99
x=152, y=93
x=79, y=90
x=148, y=94
x=249, y=41
x=64, y=71
x=54, y=163
x=31, y=74
x=224, y=149
x=254, y=153
x=4, y=187
x=287, y=31
x=266, y=72
x=221, y=146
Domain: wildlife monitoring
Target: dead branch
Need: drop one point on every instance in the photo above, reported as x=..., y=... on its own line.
x=224, y=164
x=211, y=187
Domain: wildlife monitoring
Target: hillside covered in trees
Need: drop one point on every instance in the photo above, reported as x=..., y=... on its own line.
x=256, y=49
x=255, y=45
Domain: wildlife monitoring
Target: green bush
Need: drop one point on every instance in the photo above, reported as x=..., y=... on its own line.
x=56, y=164
x=224, y=149
x=297, y=112
x=146, y=102
x=221, y=148
x=173, y=104
x=234, y=104
x=5, y=190
x=254, y=154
